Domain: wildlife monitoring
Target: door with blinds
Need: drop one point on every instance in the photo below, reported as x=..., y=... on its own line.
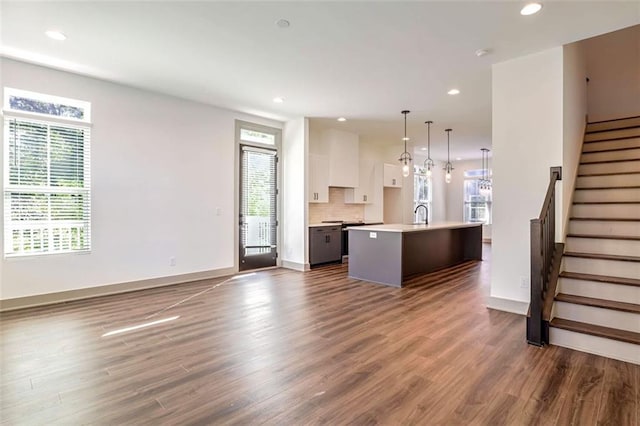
x=258, y=205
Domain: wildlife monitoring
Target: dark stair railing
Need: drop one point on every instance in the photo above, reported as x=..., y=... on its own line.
x=544, y=265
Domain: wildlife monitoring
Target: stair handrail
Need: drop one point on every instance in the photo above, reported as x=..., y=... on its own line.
x=543, y=247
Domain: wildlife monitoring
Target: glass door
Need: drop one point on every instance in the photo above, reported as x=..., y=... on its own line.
x=258, y=204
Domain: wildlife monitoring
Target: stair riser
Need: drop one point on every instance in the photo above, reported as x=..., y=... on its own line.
x=622, y=167
x=600, y=290
x=602, y=181
x=603, y=246
x=622, y=143
x=589, y=227
x=600, y=195
x=609, y=348
x=612, y=134
x=628, y=154
x=613, y=125
x=599, y=316
x=616, y=268
x=627, y=211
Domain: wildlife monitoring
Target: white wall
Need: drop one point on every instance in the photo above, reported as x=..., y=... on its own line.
x=161, y=167
x=295, y=147
x=613, y=67
x=574, y=105
x=527, y=140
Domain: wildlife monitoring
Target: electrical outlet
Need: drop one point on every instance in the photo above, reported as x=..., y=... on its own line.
x=172, y=261
x=524, y=282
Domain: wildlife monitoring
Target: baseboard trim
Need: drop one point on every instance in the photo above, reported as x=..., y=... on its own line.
x=106, y=290
x=507, y=305
x=296, y=266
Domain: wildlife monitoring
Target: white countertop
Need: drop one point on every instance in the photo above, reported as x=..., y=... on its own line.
x=315, y=225
x=399, y=227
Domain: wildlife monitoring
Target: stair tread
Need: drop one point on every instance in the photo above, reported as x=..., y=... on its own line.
x=613, y=139
x=602, y=256
x=598, y=303
x=605, y=237
x=600, y=278
x=584, y=188
x=607, y=219
x=614, y=119
x=608, y=174
x=622, y=160
x=626, y=148
x=632, y=126
x=606, y=202
x=596, y=330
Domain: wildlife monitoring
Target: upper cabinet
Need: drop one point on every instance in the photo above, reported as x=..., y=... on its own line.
x=392, y=176
x=343, y=151
x=318, y=178
x=363, y=194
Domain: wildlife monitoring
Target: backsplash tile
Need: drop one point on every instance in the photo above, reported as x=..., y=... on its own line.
x=335, y=209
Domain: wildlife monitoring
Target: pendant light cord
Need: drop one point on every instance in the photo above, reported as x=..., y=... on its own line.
x=429, y=139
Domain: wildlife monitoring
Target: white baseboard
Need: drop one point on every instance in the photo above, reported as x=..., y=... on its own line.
x=106, y=290
x=508, y=305
x=296, y=266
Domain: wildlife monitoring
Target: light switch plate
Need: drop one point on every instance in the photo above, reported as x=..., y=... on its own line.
x=373, y=235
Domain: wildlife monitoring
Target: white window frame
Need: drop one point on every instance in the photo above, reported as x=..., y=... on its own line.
x=466, y=204
x=420, y=171
x=84, y=124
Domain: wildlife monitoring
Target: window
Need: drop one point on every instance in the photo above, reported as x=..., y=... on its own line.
x=477, y=203
x=46, y=174
x=421, y=193
x=250, y=135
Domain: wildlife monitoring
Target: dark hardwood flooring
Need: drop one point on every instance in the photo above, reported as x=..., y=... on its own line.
x=288, y=348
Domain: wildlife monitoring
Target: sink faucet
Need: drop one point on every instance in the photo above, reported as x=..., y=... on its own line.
x=426, y=213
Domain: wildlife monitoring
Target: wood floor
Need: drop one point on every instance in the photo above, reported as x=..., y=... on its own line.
x=288, y=348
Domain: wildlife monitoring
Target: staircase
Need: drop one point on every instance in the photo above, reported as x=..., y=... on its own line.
x=597, y=306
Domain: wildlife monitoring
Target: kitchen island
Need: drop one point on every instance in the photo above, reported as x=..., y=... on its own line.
x=390, y=254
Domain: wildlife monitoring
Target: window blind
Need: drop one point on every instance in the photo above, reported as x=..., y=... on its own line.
x=47, y=199
x=258, y=200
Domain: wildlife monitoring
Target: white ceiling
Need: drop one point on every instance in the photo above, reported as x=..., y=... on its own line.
x=366, y=61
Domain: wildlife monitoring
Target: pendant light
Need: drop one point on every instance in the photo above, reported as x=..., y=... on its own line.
x=405, y=157
x=448, y=167
x=428, y=163
x=485, y=182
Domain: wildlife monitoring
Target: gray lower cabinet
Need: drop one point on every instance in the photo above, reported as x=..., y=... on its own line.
x=325, y=244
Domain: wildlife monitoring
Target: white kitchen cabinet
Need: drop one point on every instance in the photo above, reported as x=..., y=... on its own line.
x=392, y=176
x=363, y=194
x=318, y=178
x=343, y=149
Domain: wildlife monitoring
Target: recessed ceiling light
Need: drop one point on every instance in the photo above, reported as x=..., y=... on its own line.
x=453, y=92
x=530, y=9
x=458, y=158
x=283, y=23
x=423, y=149
x=482, y=52
x=56, y=35
x=278, y=100
x=342, y=119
